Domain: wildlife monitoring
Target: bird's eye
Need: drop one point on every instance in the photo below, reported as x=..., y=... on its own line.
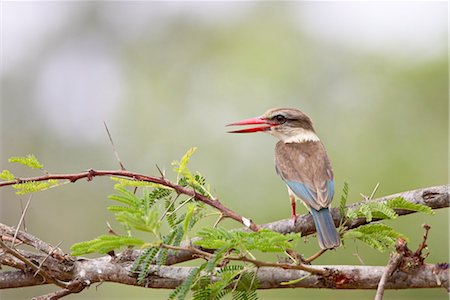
x=280, y=118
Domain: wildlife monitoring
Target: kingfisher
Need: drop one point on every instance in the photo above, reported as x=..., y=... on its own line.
x=302, y=162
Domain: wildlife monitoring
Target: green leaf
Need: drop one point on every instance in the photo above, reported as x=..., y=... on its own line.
x=182, y=290
x=376, y=235
x=34, y=186
x=30, y=161
x=148, y=222
x=171, y=215
x=263, y=240
x=147, y=254
x=190, y=210
x=127, y=197
x=181, y=166
x=137, y=183
x=7, y=175
x=372, y=210
x=104, y=244
x=343, y=201
x=147, y=260
x=401, y=203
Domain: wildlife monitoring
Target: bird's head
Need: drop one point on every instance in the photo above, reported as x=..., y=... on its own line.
x=289, y=125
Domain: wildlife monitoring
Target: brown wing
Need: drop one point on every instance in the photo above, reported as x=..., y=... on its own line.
x=306, y=169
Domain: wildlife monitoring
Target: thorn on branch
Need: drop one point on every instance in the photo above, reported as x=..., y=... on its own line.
x=91, y=174
x=160, y=171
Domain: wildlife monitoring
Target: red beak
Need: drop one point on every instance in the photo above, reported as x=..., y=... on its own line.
x=252, y=121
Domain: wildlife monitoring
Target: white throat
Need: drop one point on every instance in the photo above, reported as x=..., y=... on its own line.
x=295, y=135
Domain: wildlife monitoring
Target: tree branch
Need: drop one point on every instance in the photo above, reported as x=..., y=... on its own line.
x=434, y=197
x=91, y=173
x=106, y=269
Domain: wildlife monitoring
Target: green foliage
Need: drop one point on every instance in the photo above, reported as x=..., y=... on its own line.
x=181, y=166
x=237, y=280
x=376, y=235
x=34, y=186
x=143, y=263
x=190, y=210
x=343, y=200
x=124, y=182
x=7, y=175
x=171, y=215
x=371, y=210
x=385, y=210
x=104, y=244
x=29, y=160
x=401, y=203
x=263, y=240
x=186, y=178
x=182, y=290
x=137, y=212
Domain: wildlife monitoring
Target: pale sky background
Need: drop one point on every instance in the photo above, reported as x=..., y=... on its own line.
x=28, y=27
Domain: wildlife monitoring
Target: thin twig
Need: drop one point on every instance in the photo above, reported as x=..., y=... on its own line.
x=259, y=263
x=122, y=167
x=314, y=256
x=160, y=171
x=392, y=265
x=218, y=221
x=6, y=233
x=168, y=208
x=19, y=256
x=374, y=191
x=90, y=174
x=22, y=219
x=45, y=258
x=423, y=245
x=255, y=262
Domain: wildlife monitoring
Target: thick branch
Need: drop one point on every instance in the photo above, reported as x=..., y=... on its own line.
x=433, y=197
x=105, y=269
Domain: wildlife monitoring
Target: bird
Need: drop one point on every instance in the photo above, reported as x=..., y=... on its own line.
x=303, y=164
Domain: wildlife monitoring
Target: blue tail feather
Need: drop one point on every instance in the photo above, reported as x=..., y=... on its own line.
x=326, y=231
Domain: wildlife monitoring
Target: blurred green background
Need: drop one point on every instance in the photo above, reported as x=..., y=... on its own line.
x=166, y=76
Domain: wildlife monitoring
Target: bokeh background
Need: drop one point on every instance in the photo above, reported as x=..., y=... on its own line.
x=166, y=76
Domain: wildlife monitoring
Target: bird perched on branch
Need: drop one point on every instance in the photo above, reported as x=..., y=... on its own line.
x=302, y=162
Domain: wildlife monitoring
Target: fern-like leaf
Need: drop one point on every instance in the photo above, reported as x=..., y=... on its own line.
x=126, y=197
x=372, y=210
x=104, y=244
x=182, y=290
x=378, y=236
x=343, y=200
x=147, y=222
x=123, y=182
x=146, y=263
x=264, y=240
x=401, y=203
x=29, y=160
x=7, y=175
x=171, y=215
x=34, y=186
